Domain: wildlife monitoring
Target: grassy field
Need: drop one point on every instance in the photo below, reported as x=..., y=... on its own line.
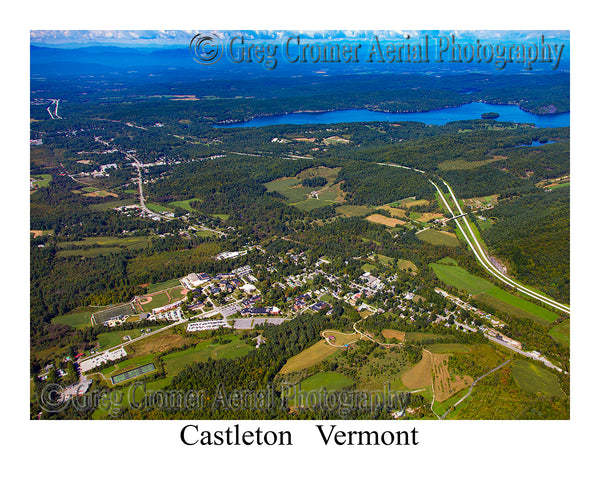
x=112, y=339
x=341, y=339
x=452, y=274
x=449, y=348
x=353, y=210
x=309, y=357
x=514, y=305
x=436, y=237
x=158, y=300
x=158, y=208
x=94, y=242
x=383, y=220
x=328, y=380
x=419, y=376
x=42, y=180
x=534, y=379
x=389, y=333
x=177, y=361
x=458, y=277
x=158, y=343
x=185, y=204
x=562, y=333
x=312, y=203
x=157, y=287
x=78, y=318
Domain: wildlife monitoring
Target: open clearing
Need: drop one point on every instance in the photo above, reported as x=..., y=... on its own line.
x=534, y=379
x=389, y=333
x=394, y=212
x=78, y=318
x=185, y=204
x=353, y=210
x=328, y=380
x=419, y=376
x=387, y=221
x=437, y=237
x=158, y=343
x=428, y=216
x=309, y=357
x=445, y=384
x=340, y=339
x=202, y=351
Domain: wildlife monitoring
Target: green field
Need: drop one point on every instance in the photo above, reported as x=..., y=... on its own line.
x=309, y=357
x=312, y=203
x=78, y=318
x=185, y=204
x=534, y=379
x=112, y=339
x=353, y=210
x=158, y=208
x=157, y=287
x=498, y=298
x=331, y=381
x=419, y=336
x=448, y=348
x=42, y=180
x=458, y=277
x=177, y=361
x=453, y=275
x=562, y=333
x=98, y=246
x=435, y=237
x=220, y=216
x=158, y=300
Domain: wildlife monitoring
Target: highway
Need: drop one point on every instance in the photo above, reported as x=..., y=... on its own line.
x=477, y=249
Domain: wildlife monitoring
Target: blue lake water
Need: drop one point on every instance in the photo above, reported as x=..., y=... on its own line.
x=469, y=111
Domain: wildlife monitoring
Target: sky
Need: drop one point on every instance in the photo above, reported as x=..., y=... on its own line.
x=182, y=37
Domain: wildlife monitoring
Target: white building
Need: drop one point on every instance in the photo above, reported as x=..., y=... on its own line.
x=207, y=325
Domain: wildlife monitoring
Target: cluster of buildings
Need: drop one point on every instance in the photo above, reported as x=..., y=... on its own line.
x=207, y=325
x=259, y=311
x=98, y=360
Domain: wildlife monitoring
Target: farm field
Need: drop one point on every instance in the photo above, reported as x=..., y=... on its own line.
x=449, y=348
x=383, y=220
x=446, y=385
x=436, y=237
x=95, y=242
x=419, y=376
x=353, y=210
x=534, y=379
x=409, y=202
x=309, y=357
x=42, y=180
x=158, y=208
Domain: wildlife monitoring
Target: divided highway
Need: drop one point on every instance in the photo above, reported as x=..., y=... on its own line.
x=477, y=249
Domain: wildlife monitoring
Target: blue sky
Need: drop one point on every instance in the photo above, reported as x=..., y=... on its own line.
x=182, y=37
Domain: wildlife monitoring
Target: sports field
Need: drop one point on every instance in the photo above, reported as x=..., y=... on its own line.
x=309, y=357
x=535, y=379
x=129, y=374
x=104, y=315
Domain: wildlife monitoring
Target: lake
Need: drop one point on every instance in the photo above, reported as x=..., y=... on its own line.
x=469, y=111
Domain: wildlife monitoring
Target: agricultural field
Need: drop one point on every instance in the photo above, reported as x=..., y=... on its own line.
x=535, y=379
x=383, y=220
x=437, y=237
x=409, y=202
x=353, y=210
x=158, y=208
x=98, y=242
x=105, y=206
x=419, y=376
x=309, y=357
x=394, y=211
x=445, y=384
